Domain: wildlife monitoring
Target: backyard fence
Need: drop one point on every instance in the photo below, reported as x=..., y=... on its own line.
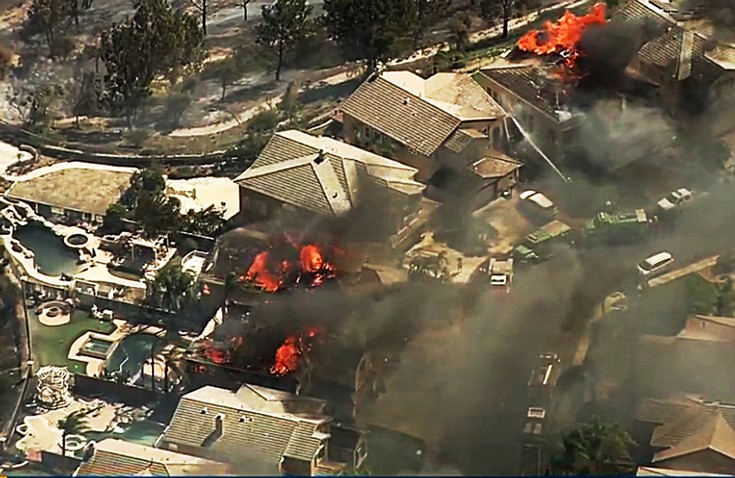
x=108, y=390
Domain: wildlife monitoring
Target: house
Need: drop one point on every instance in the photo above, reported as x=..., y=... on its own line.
x=71, y=191
x=653, y=471
x=681, y=54
x=538, y=100
x=300, y=178
x=112, y=457
x=686, y=432
x=444, y=122
x=683, y=362
x=290, y=433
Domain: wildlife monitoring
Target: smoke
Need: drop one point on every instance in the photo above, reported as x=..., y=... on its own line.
x=720, y=12
x=606, y=50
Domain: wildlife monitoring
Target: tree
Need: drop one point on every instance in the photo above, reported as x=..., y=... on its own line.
x=75, y=7
x=371, y=30
x=284, y=24
x=51, y=18
x=231, y=284
x=84, y=94
x=228, y=70
x=157, y=214
x=459, y=28
x=176, y=105
x=37, y=105
x=201, y=5
x=114, y=217
x=724, y=297
x=592, y=449
x=207, y=222
x=502, y=9
x=174, y=365
x=156, y=41
x=73, y=424
x=173, y=288
x=428, y=12
x=290, y=104
x=244, y=4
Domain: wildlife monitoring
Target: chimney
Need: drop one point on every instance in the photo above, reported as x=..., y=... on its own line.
x=321, y=157
x=684, y=62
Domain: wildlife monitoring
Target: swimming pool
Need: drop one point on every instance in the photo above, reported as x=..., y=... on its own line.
x=129, y=356
x=51, y=255
x=143, y=433
x=95, y=347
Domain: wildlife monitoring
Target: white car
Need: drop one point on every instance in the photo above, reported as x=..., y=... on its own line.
x=655, y=263
x=674, y=199
x=536, y=202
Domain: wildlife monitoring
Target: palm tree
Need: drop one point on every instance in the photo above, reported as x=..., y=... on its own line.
x=231, y=284
x=73, y=424
x=173, y=288
x=174, y=363
x=592, y=449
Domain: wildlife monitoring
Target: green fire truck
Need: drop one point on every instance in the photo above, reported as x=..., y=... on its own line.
x=537, y=246
x=613, y=229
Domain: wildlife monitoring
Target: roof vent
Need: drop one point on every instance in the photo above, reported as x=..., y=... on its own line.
x=406, y=101
x=204, y=411
x=320, y=158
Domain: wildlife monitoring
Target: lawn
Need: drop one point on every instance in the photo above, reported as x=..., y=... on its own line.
x=51, y=344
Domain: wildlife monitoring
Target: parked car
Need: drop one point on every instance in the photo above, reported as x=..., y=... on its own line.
x=655, y=264
x=674, y=199
x=535, y=204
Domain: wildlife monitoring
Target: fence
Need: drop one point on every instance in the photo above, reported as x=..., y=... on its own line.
x=18, y=137
x=113, y=391
x=20, y=327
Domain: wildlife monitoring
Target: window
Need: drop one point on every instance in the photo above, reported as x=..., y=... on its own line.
x=496, y=138
x=368, y=132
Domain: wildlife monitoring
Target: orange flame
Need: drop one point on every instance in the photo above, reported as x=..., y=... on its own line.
x=311, y=262
x=288, y=355
x=562, y=36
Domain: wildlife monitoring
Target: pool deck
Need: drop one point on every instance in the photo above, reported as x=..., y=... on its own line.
x=43, y=431
x=95, y=366
x=94, y=269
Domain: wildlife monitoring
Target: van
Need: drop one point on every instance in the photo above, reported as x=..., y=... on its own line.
x=654, y=264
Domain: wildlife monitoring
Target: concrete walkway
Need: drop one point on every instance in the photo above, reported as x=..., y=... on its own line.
x=690, y=269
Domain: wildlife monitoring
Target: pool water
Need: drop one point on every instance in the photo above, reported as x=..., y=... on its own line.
x=51, y=255
x=143, y=433
x=96, y=347
x=129, y=356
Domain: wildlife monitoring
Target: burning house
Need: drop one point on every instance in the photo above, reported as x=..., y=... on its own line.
x=309, y=183
x=567, y=83
x=281, y=432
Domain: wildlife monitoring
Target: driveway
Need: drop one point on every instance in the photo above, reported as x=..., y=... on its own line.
x=511, y=226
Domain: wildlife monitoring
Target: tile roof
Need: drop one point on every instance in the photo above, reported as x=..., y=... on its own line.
x=666, y=41
x=653, y=471
x=418, y=113
x=531, y=83
x=495, y=165
x=267, y=423
x=112, y=457
x=677, y=49
x=715, y=434
x=321, y=174
x=689, y=424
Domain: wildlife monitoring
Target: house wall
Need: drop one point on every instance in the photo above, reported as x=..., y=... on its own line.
x=548, y=135
x=706, y=461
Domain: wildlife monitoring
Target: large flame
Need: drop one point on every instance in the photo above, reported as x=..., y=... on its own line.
x=311, y=269
x=288, y=355
x=563, y=36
